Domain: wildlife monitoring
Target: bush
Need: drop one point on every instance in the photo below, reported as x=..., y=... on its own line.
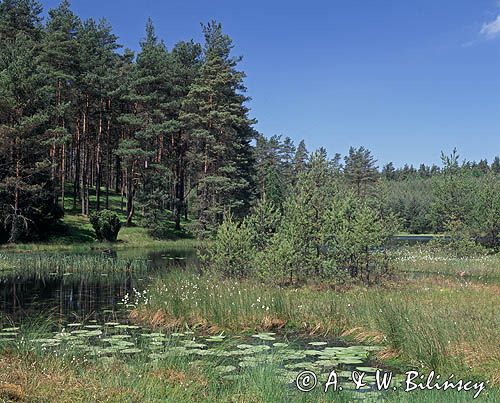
x=106, y=225
x=232, y=251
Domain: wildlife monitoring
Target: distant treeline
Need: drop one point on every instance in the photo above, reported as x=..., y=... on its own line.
x=167, y=129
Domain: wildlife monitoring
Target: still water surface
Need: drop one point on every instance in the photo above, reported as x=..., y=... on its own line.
x=72, y=295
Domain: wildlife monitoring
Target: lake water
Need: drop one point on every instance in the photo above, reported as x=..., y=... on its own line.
x=64, y=295
x=83, y=296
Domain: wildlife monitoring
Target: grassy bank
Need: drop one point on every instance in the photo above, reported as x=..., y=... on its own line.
x=30, y=374
x=426, y=323
x=74, y=233
x=430, y=316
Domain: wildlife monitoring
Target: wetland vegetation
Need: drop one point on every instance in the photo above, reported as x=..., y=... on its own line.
x=135, y=330
x=155, y=247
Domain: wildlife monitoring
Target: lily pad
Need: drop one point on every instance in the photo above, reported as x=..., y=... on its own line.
x=318, y=343
x=244, y=346
x=367, y=369
x=215, y=339
x=131, y=351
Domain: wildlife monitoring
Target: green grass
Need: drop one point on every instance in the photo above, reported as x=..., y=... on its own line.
x=428, y=260
x=440, y=318
x=435, y=322
x=75, y=233
x=30, y=374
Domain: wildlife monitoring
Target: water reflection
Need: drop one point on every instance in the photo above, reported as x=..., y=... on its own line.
x=78, y=294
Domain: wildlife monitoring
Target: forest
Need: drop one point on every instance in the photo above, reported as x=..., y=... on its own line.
x=170, y=132
x=155, y=246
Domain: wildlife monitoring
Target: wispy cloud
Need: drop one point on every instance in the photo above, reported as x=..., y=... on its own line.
x=491, y=29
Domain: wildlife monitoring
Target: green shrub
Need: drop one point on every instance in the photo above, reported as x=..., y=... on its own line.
x=106, y=225
x=232, y=251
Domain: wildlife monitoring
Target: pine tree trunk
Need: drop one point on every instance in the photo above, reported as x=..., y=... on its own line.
x=130, y=196
x=63, y=172
x=98, y=173
x=76, y=183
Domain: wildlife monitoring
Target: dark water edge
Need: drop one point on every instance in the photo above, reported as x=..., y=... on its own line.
x=82, y=293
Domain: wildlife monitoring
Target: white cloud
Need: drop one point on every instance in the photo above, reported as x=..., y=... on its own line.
x=491, y=29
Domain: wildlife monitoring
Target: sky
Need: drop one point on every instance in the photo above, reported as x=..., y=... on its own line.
x=406, y=79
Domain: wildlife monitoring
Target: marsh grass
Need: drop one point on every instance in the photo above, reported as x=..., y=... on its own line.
x=424, y=260
x=41, y=378
x=448, y=323
x=434, y=323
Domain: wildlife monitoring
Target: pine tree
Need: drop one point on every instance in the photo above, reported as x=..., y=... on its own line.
x=148, y=120
x=495, y=165
x=300, y=159
x=185, y=65
x=97, y=60
x=19, y=16
x=26, y=205
x=59, y=63
x=215, y=114
x=360, y=170
x=389, y=172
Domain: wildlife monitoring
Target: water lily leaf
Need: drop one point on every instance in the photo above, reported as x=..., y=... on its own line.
x=367, y=369
x=313, y=352
x=92, y=333
x=215, y=339
x=131, y=351
x=280, y=345
x=244, y=346
x=318, y=343
x=156, y=343
x=80, y=332
x=264, y=337
x=152, y=335
x=350, y=361
x=301, y=365
x=203, y=352
x=259, y=349
x=294, y=356
x=127, y=327
x=327, y=363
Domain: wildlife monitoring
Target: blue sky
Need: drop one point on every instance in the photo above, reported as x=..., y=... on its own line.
x=404, y=78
